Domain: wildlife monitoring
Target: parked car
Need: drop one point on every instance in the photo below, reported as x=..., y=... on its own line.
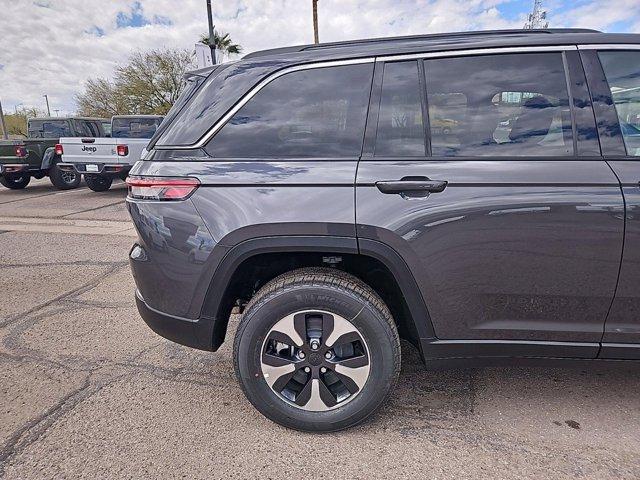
x=36, y=157
x=101, y=160
x=337, y=227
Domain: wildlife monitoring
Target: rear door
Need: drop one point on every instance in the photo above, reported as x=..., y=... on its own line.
x=614, y=79
x=509, y=219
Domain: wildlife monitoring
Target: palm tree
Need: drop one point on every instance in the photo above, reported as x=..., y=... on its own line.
x=223, y=42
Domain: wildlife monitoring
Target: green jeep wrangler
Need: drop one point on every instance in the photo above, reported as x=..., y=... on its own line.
x=36, y=155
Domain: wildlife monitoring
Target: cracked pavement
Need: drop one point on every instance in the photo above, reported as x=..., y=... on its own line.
x=88, y=391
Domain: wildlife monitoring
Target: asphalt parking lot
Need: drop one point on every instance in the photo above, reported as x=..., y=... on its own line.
x=88, y=391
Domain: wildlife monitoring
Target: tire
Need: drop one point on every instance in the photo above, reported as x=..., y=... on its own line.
x=364, y=337
x=63, y=180
x=15, y=181
x=98, y=183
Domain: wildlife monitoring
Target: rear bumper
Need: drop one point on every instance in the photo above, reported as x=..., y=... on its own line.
x=106, y=169
x=192, y=333
x=13, y=168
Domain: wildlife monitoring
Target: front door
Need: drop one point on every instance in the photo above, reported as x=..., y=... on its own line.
x=614, y=77
x=509, y=219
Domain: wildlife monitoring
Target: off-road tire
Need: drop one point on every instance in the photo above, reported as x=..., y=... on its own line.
x=15, y=181
x=328, y=290
x=98, y=183
x=61, y=180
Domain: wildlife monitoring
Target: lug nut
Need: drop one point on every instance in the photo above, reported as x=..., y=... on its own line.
x=323, y=370
x=328, y=355
x=301, y=354
x=315, y=344
x=307, y=369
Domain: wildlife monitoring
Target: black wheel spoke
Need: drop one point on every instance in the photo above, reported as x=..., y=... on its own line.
x=354, y=362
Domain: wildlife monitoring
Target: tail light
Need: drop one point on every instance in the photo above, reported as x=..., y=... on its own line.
x=58, y=149
x=123, y=150
x=21, y=151
x=161, y=188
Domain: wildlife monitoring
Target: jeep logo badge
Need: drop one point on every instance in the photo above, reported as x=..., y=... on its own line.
x=88, y=149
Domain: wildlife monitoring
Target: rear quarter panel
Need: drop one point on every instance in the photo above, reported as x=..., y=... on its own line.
x=237, y=201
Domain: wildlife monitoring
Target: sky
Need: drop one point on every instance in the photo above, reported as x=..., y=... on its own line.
x=53, y=46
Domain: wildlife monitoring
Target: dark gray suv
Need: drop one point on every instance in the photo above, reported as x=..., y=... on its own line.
x=475, y=194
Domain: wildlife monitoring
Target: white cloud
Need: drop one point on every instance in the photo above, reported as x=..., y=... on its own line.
x=53, y=46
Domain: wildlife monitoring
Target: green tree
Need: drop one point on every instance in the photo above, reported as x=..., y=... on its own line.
x=149, y=83
x=223, y=42
x=17, y=122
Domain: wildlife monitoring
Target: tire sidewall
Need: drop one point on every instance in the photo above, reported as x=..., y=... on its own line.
x=374, y=330
x=15, y=182
x=55, y=175
x=98, y=183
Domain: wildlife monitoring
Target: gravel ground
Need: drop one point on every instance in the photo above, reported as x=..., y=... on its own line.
x=88, y=391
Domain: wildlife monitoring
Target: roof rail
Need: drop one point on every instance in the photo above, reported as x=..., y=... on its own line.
x=430, y=36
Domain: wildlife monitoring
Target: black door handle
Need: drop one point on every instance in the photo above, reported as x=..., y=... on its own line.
x=411, y=185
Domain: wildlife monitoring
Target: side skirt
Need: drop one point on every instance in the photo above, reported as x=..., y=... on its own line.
x=442, y=354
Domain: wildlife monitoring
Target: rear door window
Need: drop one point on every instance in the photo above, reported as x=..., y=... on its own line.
x=400, y=125
x=622, y=70
x=318, y=112
x=499, y=105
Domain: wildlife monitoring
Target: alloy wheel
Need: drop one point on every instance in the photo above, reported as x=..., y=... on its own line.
x=315, y=360
x=68, y=177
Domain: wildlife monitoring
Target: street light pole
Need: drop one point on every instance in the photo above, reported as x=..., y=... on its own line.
x=4, y=125
x=212, y=45
x=48, y=110
x=315, y=22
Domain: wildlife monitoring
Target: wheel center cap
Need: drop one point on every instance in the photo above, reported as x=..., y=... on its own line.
x=315, y=359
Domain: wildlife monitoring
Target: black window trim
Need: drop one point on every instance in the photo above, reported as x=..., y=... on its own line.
x=375, y=118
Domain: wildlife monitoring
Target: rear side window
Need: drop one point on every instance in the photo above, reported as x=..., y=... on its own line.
x=318, y=112
x=499, y=105
x=134, y=127
x=88, y=129
x=400, y=126
x=49, y=128
x=622, y=70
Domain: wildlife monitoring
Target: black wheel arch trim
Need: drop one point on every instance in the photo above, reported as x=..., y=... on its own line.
x=215, y=301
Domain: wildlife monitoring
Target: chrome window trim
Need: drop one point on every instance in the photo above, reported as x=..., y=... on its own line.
x=252, y=93
x=337, y=63
x=610, y=46
x=477, y=51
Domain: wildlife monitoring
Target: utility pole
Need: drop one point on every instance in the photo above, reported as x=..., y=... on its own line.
x=537, y=18
x=315, y=22
x=56, y=110
x=4, y=125
x=48, y=110
x=212, y=45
